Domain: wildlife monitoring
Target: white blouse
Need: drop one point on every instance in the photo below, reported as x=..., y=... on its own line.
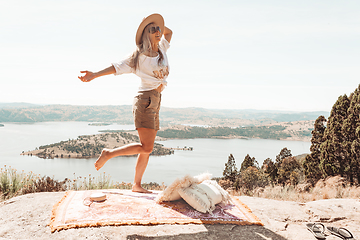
x=152, y=74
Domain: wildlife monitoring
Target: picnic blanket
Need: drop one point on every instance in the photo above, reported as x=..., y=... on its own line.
x=124, y=207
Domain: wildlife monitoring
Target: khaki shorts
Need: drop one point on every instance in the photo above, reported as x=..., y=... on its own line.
x=146, y=109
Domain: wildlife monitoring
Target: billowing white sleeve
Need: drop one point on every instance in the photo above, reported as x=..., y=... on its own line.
x=164, y=44
x=123, y=67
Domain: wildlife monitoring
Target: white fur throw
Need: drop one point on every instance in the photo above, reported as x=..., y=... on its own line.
x=171, y=192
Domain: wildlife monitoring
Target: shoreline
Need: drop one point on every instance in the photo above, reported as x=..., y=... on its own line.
x=52, y=153
x=237, y=137
x=90, y=146
x=285, y=131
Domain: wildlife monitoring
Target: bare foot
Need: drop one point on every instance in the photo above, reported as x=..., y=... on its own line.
x=104, y=157
x=139, y=189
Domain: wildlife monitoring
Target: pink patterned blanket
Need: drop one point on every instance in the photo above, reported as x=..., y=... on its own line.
x=123, y=207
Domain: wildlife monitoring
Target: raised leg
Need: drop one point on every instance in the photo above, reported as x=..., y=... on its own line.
x=144, y=148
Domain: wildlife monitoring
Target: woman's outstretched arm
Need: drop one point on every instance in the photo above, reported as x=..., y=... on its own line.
x=91, y=75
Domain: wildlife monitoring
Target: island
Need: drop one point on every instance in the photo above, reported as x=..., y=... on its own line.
x=90, y=146
x=297, y=131
x=99, y=124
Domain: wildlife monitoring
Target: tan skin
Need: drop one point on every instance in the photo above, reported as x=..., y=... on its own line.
x=146, y=135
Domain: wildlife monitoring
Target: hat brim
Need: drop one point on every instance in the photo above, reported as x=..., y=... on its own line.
x=153, y=18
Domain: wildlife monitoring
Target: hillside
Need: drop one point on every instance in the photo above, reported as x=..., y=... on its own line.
x=17, y=105
x=120, y=114
x=168, y=116
x=300, y=131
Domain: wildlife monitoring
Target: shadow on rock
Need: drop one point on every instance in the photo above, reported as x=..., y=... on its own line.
x=221, y=232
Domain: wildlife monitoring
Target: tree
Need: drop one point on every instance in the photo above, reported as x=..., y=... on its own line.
x=335, y=149
x=289, y=171
x=351, y=130
x=248, y=162
x=251, y=178
x=270, y=169
x=311, y=164
x=332, y=152
x=284, y=153
x=230, y=172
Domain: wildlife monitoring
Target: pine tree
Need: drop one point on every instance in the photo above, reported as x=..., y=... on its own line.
x=351, y=145
x=284, y=153
x=332, y=153
x=354, y=166
x=312, y=161
x=289, y=171
x=270, y=169
x=230, y=171
x=248, y=162
x=338, y=148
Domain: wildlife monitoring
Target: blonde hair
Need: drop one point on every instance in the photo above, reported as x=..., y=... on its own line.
x=144, y=46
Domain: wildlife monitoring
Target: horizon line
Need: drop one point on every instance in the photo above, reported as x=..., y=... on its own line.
x=215, y=109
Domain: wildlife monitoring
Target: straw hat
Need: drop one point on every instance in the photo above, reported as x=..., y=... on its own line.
x=153, y=18
x=98, y=197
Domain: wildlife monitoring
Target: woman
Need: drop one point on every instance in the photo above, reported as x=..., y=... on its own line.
x=149, y=62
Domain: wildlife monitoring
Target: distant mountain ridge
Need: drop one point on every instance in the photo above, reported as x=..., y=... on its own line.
x=122, y=114
x=17, y=105
x=250, y=114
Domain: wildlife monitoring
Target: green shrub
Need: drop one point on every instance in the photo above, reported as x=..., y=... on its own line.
x=250, y=179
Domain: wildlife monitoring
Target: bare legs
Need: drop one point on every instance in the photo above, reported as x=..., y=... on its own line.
x=144, y=148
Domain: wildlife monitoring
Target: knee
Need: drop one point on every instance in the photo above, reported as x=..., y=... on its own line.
x=147, y=148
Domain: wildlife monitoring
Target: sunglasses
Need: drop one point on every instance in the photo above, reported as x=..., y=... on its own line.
x=153, y=30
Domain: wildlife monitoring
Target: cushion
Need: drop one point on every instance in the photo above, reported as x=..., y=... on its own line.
x=196, y=198
x=225, y=196
x=212, y=192
x=171, y=192
x=204, y=196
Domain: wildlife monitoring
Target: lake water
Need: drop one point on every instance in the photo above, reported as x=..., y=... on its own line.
x=209, y=155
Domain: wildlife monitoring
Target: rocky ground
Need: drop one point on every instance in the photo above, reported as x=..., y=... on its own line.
x=27, y=216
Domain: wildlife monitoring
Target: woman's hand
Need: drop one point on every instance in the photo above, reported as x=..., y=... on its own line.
x=87, y=77
x=90, y=75
x=167, y=34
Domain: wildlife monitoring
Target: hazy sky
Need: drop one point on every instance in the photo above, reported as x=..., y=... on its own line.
x=276, y=55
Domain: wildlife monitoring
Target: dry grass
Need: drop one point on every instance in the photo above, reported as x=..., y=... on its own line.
x=14, y=183
x=332, y=187
x=104, y=182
